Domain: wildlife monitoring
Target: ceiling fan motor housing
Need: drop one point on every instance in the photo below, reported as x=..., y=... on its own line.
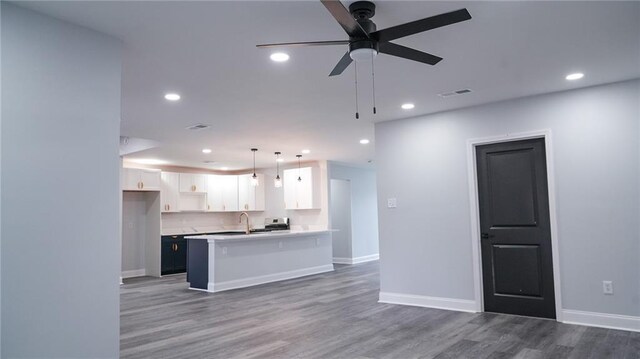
x=362, y=10
x=363, y=49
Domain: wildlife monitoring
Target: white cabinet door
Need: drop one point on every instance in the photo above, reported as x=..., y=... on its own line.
x=170, y=191
x=229, y=193
x=258, y=203
x=290, y=187
x=193, y=183
x=299, y=194
x=246, y=194
x=135, y=179
x=150, y=180
x=304, y=193
x=251, y=198
x=215, y=202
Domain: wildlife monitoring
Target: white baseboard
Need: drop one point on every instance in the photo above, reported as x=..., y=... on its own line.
x=602, y=320
x=134, y=273
x=248, y=282
x=460, y=305
x=356, y=260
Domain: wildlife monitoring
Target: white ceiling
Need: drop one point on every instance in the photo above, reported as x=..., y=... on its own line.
x=206, y=52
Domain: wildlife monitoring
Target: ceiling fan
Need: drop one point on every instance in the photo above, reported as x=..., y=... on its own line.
x=365, y=41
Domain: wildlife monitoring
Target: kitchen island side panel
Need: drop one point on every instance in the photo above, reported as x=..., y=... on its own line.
x=198, y=263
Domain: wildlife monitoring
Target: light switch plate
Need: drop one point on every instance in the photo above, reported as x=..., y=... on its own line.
x=391, y=203
x=607, y=287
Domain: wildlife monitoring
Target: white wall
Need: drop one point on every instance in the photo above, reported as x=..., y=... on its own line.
x=364, y=208
x=60, y=134
x=0, y=192
x=425, y=242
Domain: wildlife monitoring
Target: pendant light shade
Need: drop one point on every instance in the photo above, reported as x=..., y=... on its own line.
x=254, y=179
x=299, y=178
x=277, y=182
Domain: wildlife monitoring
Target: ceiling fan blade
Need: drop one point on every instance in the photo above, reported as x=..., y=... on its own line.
x=306, y=43
x=344, y=18
x=414, y=27
x=344, y=62
x=408, y=53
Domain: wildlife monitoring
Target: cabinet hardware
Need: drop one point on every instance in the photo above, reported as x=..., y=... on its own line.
x=142, y=185
x=174, y=236
x=208, y=207
x=168, y=207
x=176, y=247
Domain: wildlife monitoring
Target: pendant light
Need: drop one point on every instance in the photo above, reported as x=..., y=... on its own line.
x=254, y=178
x=299, y=178
x=277, y=182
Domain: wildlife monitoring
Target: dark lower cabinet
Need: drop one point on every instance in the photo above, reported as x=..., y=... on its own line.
x=173, y=255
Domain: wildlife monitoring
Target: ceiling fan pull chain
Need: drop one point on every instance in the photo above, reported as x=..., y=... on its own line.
x=373, y=84
x=356, y=72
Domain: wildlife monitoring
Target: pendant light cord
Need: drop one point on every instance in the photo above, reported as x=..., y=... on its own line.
x=356, y=72
x=373, y=84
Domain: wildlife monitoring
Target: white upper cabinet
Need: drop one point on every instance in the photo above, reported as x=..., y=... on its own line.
x=251, y=198
x=134, y=179
x=301, y=194
x=193, y=183
x=222, y=193
x=170, y=191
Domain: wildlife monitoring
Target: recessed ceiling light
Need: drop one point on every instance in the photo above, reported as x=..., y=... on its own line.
x=224, y=168
x=575, y=76
x=306, y=152
x=147, y=161
x=172, y=96
x=280, y=160
x=279, y=57
x=206, y=150
x=364, y=141
x=407, y=106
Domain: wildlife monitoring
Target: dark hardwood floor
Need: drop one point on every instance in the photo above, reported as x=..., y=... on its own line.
x=336, y=315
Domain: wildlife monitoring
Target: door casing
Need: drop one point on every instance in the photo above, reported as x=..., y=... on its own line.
x=475, y=211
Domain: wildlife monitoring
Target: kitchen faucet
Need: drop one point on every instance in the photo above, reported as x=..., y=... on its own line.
x=248, y=230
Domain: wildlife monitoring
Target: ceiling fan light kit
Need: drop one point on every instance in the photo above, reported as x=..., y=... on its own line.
x=365, y=41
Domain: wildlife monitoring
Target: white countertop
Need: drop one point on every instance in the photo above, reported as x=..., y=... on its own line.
x=260, y=235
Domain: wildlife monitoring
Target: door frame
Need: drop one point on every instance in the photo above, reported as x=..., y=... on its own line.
x=475, y=211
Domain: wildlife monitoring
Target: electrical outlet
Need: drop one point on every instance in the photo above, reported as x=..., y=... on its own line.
x=280, y=244
x=224, y=251
x=607, y=287
x=317, y=242
x=392, y=203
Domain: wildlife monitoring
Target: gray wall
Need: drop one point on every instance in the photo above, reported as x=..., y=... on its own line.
x=425, y=242
x=364, y=208
x=60, y=248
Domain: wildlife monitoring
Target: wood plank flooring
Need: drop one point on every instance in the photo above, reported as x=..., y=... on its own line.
x=337, y=315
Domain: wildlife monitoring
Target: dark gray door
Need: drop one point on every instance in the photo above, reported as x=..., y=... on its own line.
x=517, y=270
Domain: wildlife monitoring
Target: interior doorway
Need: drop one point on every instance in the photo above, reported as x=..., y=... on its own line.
x=515, y=228
x=340, y=212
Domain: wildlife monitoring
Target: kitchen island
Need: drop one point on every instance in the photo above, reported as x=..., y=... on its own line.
x=221, y=262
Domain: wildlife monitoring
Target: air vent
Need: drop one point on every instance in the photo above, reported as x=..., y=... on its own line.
x=198, y=127
x=454, y=93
